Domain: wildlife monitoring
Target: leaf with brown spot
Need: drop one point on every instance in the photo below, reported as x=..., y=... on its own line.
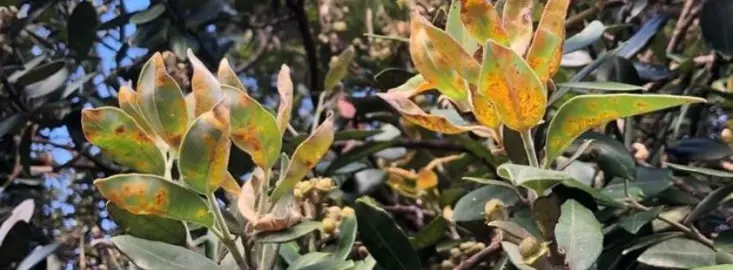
x=413, y=86
x=545, y=53
x=582, y=113
x=448, y=53
x=305, y=157
x=205, y=151
x=144, y=194
x=226, y=76
x=130, y=103
x=517, y=94
x=338, y=69
x=162, y=102
x=254, y=129
x=121, y=139
x=517, y=22
x=414, y=114
x=285, y=89
x=205, y=87
x=482, y=21
x=484, y=110
x=230, y=185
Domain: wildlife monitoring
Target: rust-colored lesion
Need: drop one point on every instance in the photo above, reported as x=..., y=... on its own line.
x=641, y=106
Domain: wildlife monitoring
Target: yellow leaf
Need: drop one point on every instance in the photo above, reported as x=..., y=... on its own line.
x=545, y=53
x=414, y=114
x=285, y=89
x=226, y=76
x=517, y=22
x=205, y=87
x=482, y=21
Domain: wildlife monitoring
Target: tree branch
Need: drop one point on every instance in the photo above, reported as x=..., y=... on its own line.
x=309, y=43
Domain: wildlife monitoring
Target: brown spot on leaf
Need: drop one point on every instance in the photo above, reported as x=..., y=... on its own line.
x=120, y=130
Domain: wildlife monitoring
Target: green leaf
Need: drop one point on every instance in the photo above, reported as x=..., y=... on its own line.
x=582, y=113
x=590, y=34
x=512, y=250
x=511, y=228
x=613, y=157
x=325, y=263
x=608, y=86
x=723, y=257
x=181, y=42
x=81, y=28
x=637, y=220
x=148, y=15
x=546, y=212
x=308, y=259
x=40, y=73
x=545, y=52
x=357, y=153
x=471, y=206
x=295, y=232
x=596, y=193
x=44, y=80
x=338, y=69
x=531, y=177
x=385, y=240
x=148, y=254
x=704, y=171
x=289, y=251
x=456, y=29
x=347, y=236
x=430, y=234
x=724, y=241
x=148, y=227
x=716, y=267
x=678, y=253
x=648, y=240
x=38, y=254
x=305, y=157
x=488, y=181
x=578, y=232
x=367, y=264
x=12, y=123
x=205, y=151
x=710, y=202
x=122, y=140
x=143, y=194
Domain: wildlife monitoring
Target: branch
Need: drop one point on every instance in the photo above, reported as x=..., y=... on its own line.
x=478, y=257
x=309, y=43
x=265, y=35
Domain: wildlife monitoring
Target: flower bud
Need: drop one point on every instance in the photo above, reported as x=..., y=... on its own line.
x=347, y=211
x=494, y=210
x=328, y=225
x=531, y=250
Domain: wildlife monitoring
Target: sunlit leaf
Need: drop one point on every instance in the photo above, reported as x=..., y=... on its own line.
x=231, y=185
x=456, y=28
x=205, y=151
x=413, y=86
x=338, y=69
x=148, y=227
x=122, y=140
x=305, y=157
x=129, y=101
x=254, y=129
x=578, y=232
x=484, y=110
x=679, y=253
x=285, y=89
x=482, y=21
x=289, y=234
x=582, y=113
x=546, y=50
x=162, y=102
x=143, y=194
x=517, y=93
x=227, y=76
x=448, y=53
x=517, y=21
x=205, y=87
x=414, y=114
x=531, y=177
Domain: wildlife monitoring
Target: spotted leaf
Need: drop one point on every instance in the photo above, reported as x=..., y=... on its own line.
x=254, y=129
x=456, y=29
x=144, y=194
x=231, y=185
x=482, y=21
x=449, y=53
x=338, y=69
x=517, y=22
x=205, y=151
x=205, y=87
x=545, y=53
x=305, y=157
x=484, y=110
x=514, y=89
x=413, y=86
x=122, y=140
x=411, y=112
x=285, y=89
x=582, y=113
x=130, y=103
x=226, y=76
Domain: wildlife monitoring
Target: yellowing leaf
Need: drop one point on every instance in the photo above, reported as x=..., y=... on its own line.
x=484, y=110
x=426, y=179
x=545, y=53
x=414, y=114
x=582, y=113
x=455, y=28
x=482, y=21
x=305, y=157
x=338, y=69
x=130, y=103
x=517, y=22
x=412, y=87
x=205, y=151
x=226, y=76
x=247, y=200
x=516, y=92
x=205, y=87
x=163, y=104
x=144, y=194
x=448, y=53
x=285, y=89
x=230, y=185
x=253, y=128
x=122, y=140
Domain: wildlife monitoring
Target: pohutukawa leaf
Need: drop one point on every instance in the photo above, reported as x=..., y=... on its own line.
x=285, y=89
x=457, y=29
x=130, y=101
x=545, y=53
x=231, y=185
x=122, y=140
x=578, y=232
x=482, y=21
x=144, y=194
x=518, y=95
x=162, y=102
x=413, y=86
x=484, y=110
x=227, y=76
x=253, y=128
x=338, y=70
x=582, y=113
x=205, y=151
x=204, y=85
x=517, y=22
x=305, y=157
x=449, y=53
x=248, y=197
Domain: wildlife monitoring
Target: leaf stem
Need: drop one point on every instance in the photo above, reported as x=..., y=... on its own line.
x=528, y=143
x=319, y=110
x=223, y=233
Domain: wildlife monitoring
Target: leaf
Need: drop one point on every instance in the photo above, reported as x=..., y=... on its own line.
x=637, y=220
x=130, y=103
x=308, y=259
x=512, y=250
x=590, y=34
x=148, y=254
x=678, y=253
x=430, y=234
x=148, y=227
x=511, y=228
x=650, y=240
x=471, y=206
x=595, y=193
x=698, y=170
x=305, y=157
x=285, y=89
x=162, y=102
x=698, y=149
x=254, y=129
x=484, y=109
x=81, y=28
x=367, y=264
x=613, y=157
x=327, y=263
x=143, y=194
x=411, y=87
x=11, y=123
x=21, y=213
x=578, y=232
x=205, y=151
x=411, y=112
x=44, y=80
x=482, y=21
x=608, y=86
x=148, y=15
x=337, y=71
x=38, y=254
x=713, y=26
x=205, y=87
x=346, y=237
x=488, y=182
x=385, y=240
x=716, y=267
x=518, y=95
x=545, y=213
x=546, y=50
x=289, y=234
x=180, y=42
x=517, y=22
x=724, y=241
x=72, y=87
x=122, y=140
x=709, y=203
x=457, y=29
x=587, y=111
x=531, y=177
x=448, y=53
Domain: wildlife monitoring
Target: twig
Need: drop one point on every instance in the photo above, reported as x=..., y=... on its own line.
x=309, y=43
x=681, y=26
x=265, y=35
x=689, y=231
x=478, y=257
